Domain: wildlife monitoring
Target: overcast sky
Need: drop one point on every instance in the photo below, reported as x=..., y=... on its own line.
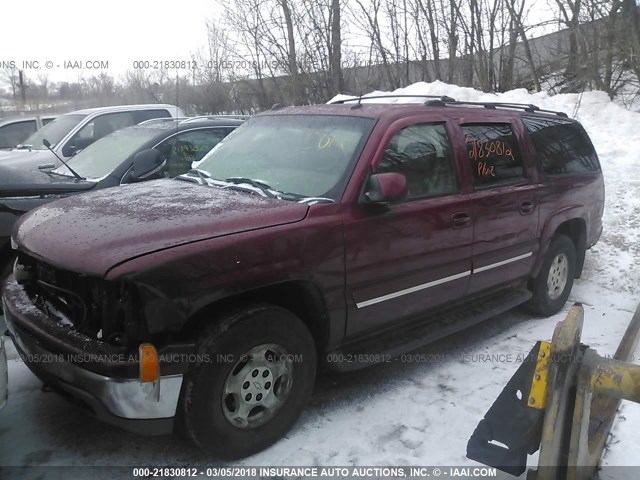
x=117, y=31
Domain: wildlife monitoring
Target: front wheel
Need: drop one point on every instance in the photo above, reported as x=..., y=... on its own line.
x=254, y=371
x=553, y=284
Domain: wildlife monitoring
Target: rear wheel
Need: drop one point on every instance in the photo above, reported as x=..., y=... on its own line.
x=552, y=286
x=255, y=371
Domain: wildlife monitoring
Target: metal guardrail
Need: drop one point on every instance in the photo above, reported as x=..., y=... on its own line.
x=573, y=396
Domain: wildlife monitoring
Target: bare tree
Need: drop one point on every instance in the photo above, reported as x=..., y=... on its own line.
x=336, y=48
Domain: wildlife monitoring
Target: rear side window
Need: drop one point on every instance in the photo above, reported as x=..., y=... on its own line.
x=494, y=155
x=143, y=115
x=562, y=147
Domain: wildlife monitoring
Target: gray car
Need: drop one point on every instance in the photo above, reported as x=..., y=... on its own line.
x=15, y=130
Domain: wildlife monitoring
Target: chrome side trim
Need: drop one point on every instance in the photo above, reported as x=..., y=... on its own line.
x=417, y=288
x=503, y=262
x=440, y=281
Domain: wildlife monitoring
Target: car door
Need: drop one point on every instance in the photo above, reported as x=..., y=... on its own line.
x=410, y=257
x=505, y=209
x=15, y=133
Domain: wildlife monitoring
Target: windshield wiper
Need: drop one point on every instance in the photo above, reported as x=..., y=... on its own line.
x=315, y=200
x=231, y=182
x=250, y=181
x=203, y=176
x=24, y=147
x=273, y=193
x=46, y=143
x=53, y=172
x=264, y=187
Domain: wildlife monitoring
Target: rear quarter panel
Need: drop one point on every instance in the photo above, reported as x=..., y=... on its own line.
x=569, y=197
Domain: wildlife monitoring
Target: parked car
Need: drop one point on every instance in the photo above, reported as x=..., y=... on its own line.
x=16, y=130
x=346, y=234
x=133, y=154
x=70, y=133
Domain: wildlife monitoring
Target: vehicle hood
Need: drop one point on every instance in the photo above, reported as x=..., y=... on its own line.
x=28, y=160
x=91, y=233
x=25, y=182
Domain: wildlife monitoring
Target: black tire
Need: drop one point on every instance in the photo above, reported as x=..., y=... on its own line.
x=543, y=303
x=204, y=405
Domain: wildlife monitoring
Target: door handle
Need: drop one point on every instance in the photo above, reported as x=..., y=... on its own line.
x=526, y=207
x=460, y=219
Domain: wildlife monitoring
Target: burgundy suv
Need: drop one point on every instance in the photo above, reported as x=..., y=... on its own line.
x=344, y=234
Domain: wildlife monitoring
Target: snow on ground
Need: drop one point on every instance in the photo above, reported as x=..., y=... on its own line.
x=400, y=413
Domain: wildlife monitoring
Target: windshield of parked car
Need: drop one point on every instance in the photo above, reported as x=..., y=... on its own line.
x=103, y=156
x=307, y=155
x=54, y=131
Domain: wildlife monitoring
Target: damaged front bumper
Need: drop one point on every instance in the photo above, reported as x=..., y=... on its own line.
x=101, y=377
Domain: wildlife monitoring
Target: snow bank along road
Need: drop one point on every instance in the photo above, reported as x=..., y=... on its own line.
x=420, y=411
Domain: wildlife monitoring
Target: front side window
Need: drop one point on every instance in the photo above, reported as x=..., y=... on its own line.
x=422, y=154
x=183, y=149
x=305, y=155
x=563, y=147
x=15, y=133
x=493, y=154
x=99, y=127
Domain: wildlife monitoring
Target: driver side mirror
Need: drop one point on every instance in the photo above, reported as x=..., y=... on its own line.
x=69, y=150
x=386, y=188
x=146, y=164
x=75, y=146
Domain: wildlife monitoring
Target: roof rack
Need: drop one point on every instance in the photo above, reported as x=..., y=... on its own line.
x=521, y=106
x=152, y=121
x=442, y=98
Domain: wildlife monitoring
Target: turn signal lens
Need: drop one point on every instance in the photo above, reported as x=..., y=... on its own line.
x=149, y=364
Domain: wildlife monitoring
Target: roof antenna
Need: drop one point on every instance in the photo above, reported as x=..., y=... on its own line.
x=359, y=104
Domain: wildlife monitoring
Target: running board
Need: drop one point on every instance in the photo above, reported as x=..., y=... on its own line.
x=393, y=342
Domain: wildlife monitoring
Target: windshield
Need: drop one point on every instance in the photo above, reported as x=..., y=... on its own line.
x=308, y=155
x=102, y=157
x=54, y=131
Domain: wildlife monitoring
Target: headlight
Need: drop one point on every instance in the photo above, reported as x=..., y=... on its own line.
x=14, y=245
